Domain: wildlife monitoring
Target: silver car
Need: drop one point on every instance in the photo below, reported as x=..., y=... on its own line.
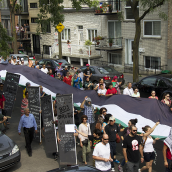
x=24, y=56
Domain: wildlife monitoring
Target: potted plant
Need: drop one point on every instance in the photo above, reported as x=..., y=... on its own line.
x=97, y=39
x=105, y=7
x=18, y=8
x=99, y=10
x=110, y=8
x=110, y=42
x=88, y=43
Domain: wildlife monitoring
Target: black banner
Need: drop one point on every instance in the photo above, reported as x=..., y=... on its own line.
x=10, y=91
x=67, y=146
x=49, y=127
x=34, y=108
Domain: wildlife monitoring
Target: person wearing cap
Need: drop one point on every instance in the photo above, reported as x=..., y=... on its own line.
x=89, y=111
x=87, y=71
x=116, y=84
x=65, y=71
x=26, y=89
x=111, y=130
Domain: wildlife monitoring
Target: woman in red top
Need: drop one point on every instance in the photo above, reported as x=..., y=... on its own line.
x=51, y=73
x=153, y=95
x=67, y=79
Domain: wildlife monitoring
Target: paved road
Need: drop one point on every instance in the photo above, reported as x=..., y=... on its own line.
x=42, y=162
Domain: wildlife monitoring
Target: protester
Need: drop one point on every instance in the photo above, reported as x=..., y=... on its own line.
x=153, y=93
x=148, y=149
x=167, y=152
x=102, y=91
x=26, y=89
x=102, y=155
x=14, y=61
x=36, y=63
x=68, y=78
x=87, y=72
x=24, y=103
x=89, y=111
x=27, y=121
x=17, y=62
x=88, y=84
x=102, y=112
x=42, y=93
x=9, y=61
x=106, y=122
x=111, y=91
x=44, y=69
x=60, y=70
x=101, y=81
x=22, y=62
x=135, y=92
x=131, y=147
x=59, y=77
x=2, y=101
x=166, y=99
x=80, y=74
x=76, y=81
x=125, y=133
x=21, y=49
x=111, y=130
x=65, y=71
x=116, y=84
x=84, y=127
x=76, y=116
x=128, y=90
x=50, y=73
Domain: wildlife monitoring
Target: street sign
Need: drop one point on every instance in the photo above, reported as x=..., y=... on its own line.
x=60, y=27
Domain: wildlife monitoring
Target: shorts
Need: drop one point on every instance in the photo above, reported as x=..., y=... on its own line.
x=149, y=156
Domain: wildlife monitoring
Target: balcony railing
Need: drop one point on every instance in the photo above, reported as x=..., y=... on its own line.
x=75, y=50
x=109, y=43
x=23, y=35
x=108, y=7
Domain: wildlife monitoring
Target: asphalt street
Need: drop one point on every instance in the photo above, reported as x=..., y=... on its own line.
x=42, y=162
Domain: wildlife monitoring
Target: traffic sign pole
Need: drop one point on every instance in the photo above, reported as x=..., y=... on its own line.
x=60, y=45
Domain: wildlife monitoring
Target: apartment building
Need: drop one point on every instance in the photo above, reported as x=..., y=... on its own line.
x=86, y=24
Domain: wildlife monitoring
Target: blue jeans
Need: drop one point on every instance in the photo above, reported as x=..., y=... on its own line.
x=169, y=166
x=112, y=151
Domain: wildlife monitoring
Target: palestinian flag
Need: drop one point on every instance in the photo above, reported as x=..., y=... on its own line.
x=122, y=107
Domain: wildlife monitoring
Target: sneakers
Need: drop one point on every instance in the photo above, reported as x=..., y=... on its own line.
x=120, y=169
x=112, y=169
x=116, y=161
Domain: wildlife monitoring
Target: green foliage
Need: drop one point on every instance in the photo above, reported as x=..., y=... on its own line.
x=18, y=8
x=88, y=43
x=5, y=50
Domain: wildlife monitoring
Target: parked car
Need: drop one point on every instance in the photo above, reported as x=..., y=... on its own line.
x=9, y=152
x=161, y=83
x=63, y=63
x=76, y=168
x=25, y=58
x=50, y=64
x=105, y=72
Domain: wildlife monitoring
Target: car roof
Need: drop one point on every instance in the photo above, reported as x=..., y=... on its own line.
x=18, y=55
x=160, y=76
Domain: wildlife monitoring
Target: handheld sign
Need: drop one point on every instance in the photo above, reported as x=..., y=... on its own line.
x=49, y=127
x=10, y=91
x=67, y=146
x=34, y=108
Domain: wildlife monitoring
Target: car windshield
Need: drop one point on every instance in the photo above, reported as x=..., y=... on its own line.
x=107, y=70
x=24, y=57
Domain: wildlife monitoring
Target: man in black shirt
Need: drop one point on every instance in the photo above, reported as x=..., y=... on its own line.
x=111, y=130
x=87, y=71
x=131, y=147
x=65, y=71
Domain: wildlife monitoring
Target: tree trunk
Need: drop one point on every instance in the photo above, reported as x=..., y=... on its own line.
x=136, y=52
x=14, y=33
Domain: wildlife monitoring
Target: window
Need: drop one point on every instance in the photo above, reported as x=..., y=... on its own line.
x=80, y=27
x=48, y=63
x=66, y=34
x=152, y=28
x=83, y=68
x=161, y=83
x=152, y=62
x=149, y=81
x=46, y=49
x=34, y=20
x=115, y=58
x=92, y=33
x=93, y=70
x=46, y=27
x=128, y=11
x=41, y=62
x=33, y=5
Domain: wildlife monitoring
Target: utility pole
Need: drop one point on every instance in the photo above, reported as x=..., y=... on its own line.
x=60, y=45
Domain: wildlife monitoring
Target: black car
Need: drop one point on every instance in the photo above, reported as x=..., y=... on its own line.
x=9, y=152
x=161, y=83
x=63, y=63
x=50, y=64
x=105, y=72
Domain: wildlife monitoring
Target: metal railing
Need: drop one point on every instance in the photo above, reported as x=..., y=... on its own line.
x=23, y=35
x=109, y=42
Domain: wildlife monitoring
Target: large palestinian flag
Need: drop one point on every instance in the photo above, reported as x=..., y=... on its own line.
x=122, y=107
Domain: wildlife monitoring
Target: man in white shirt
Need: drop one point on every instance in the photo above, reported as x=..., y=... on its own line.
x=101, y=91
x=101, y=155
x=128, y=90
x=44, y=69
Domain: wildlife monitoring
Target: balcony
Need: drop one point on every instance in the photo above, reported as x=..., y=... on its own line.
x=24, y=10
x=109, y=44
x=78, y=51
x=23, y=36
x=108, y=7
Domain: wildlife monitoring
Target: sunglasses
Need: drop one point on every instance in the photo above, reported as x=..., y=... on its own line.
x=134, y=130
x=105, y=139
x=104, y=111
x=84, y=119
x=167, y=96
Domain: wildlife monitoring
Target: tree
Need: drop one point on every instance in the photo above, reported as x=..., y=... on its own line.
x=5, y=50
x=148, y=7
